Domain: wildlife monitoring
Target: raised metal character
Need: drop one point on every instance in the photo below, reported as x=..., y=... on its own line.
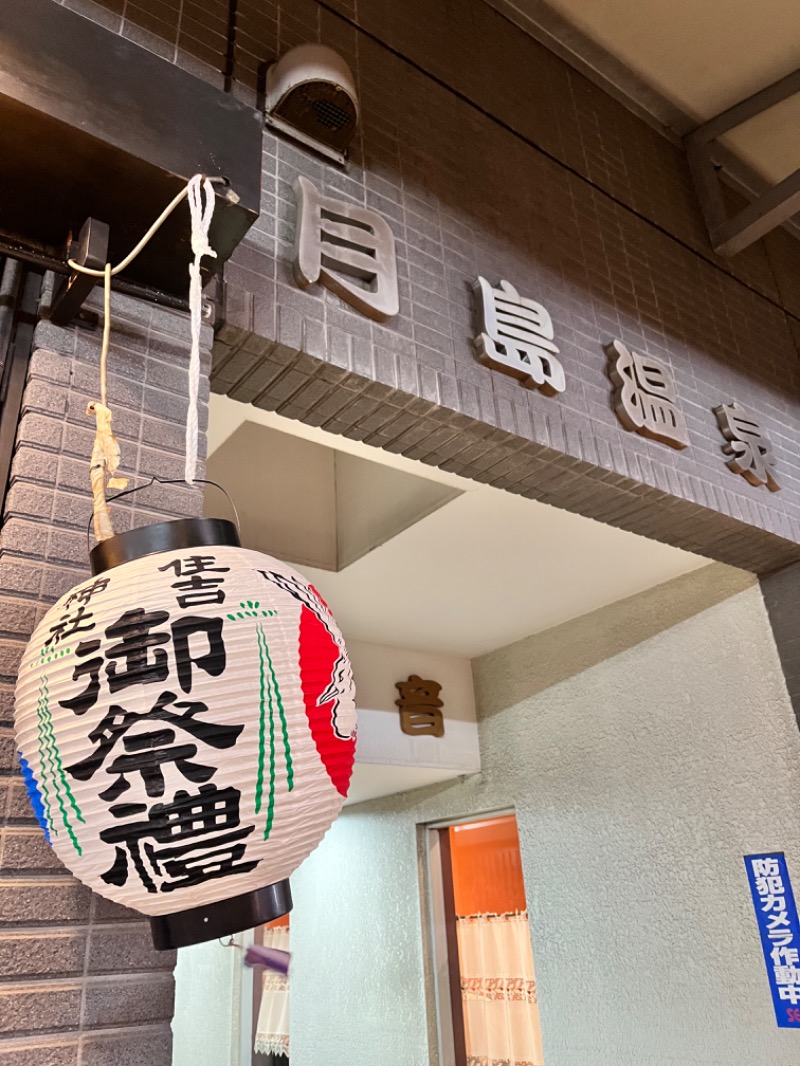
x=516, y=336
x=420, y=707
x=747, y=446
x=347, y=248
x=645, y=398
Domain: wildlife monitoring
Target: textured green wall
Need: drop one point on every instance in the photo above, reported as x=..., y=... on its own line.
x=646, y=748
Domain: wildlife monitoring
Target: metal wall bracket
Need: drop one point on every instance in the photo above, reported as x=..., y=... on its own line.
x=91, y=251
x=214, y=301
x=773, y=207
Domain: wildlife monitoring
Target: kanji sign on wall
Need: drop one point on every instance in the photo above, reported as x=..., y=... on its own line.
x=776, y=914
x=747, y=447
x=645, y=397
x=420, y=707
x=348, y=248
x=186, y=723
x=516, y=336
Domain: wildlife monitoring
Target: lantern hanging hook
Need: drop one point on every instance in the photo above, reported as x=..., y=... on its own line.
x=168, y=481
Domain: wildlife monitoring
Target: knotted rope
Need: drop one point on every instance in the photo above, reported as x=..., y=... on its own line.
x=105, y=452
x=201, y=221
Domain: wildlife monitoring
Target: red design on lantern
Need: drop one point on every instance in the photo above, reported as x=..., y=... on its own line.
x=320, y=663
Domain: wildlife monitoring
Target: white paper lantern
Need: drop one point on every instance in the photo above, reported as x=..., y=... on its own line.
x=186, y=722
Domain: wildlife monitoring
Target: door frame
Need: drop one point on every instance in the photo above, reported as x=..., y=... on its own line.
x=442, y=932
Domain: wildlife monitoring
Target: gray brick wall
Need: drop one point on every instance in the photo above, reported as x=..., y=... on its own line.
x=468, y=194
x=476, y=54
x=489, y=155
x=80, y=984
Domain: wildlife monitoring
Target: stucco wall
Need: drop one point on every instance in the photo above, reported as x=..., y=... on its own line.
x=646, y=748
x=208, y=989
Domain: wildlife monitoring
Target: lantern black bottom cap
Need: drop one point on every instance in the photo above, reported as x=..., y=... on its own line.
x=228, y=916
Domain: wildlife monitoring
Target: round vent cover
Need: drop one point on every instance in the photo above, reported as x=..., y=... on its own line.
x=322, y=111
x=311, y=91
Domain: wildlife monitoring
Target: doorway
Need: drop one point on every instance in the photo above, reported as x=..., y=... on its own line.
x=489, y=1008
x=270, y=1033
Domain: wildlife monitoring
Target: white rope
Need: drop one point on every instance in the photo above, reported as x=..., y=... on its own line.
x=105, y=456
x=201, y=221
x=105, y=451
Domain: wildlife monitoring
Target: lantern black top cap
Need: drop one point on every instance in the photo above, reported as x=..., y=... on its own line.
x=185, y=533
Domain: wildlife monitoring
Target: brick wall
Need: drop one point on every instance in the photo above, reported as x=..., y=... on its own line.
x=488, y=154
x=80, y=984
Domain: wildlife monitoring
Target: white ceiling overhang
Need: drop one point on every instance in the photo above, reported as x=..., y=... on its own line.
x=423, y=570
x=462, y=568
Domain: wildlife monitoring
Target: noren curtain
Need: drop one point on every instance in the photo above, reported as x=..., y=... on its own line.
x=498, y=990
x=272, y=1029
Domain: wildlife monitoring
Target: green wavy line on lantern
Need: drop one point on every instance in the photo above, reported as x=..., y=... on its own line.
x=55, y=757
x=64, y=780
x=45, y=743
x=62, y=777
x=44, y=769
x=56, y=768
x=287, y=751
x=271, y=686
x=271, y=800
x=262, y=706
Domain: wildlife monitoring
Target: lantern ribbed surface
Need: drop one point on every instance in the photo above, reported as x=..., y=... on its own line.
x=187, y=725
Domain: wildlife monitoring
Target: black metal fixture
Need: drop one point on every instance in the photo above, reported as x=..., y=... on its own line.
x=96, y=136
x=19, y=305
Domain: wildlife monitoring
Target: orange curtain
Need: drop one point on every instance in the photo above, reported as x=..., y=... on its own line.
x=487, y=870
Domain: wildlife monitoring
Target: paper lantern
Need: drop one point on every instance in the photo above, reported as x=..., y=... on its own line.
x=186, y=725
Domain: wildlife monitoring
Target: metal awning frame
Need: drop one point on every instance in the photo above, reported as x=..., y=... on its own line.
x=706, y=156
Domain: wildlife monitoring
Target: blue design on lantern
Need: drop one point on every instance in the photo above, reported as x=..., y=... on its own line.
x=35, y=796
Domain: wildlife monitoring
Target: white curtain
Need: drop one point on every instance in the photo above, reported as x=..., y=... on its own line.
x=498, y=991
x=272, y=1030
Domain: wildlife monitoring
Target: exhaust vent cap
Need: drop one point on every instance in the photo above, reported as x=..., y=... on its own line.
x=311, y=95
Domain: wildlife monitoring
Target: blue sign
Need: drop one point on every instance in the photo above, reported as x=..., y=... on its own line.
x=776, y=913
